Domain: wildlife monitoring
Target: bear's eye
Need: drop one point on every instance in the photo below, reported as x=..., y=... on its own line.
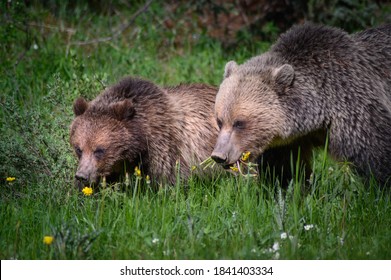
x=219, y=123
x=78, y=151
x=239, y=124
x=99, y=152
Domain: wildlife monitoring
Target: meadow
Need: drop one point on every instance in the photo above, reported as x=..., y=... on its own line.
x=51, y=56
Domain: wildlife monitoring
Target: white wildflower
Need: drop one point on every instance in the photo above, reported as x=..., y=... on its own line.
x=276, y=247
x=308, y=227
x=155, y=240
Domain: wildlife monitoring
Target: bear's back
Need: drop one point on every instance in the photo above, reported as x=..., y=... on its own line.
x=311, y=42
x=193, y=105
x=375, y=47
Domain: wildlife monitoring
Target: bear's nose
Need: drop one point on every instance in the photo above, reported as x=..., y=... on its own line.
x=81, y=177
x=219, y=157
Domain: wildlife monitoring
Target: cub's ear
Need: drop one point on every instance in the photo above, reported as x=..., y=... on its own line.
x=284, y=75
x=230, y=68
x=80, y=106
x=123, y=110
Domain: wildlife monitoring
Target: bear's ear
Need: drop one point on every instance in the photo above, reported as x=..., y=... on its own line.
x=230, y=67
x=80, y=106
x=123, y=110
x=284, y=75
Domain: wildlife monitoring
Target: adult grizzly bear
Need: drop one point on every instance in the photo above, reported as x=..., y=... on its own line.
x=315, y=80
x=136, y=123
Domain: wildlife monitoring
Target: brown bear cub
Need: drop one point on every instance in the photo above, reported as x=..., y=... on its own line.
x=313, y=82
x=136, y=123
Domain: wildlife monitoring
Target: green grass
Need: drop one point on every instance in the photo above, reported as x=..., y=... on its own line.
x=334, y=217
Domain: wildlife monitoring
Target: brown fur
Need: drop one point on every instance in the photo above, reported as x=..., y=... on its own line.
x=315, y=80
x=136, y=123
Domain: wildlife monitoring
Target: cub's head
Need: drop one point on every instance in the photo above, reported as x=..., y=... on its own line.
x=248, y=109
x=104, y=139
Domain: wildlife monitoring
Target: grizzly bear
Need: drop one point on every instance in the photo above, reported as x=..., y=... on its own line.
x=164, y=130
x=315, y=82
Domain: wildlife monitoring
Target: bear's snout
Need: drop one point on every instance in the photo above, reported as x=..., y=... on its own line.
x=87, y=171
x=224, y=152
x=219, y=157
x=82, y=177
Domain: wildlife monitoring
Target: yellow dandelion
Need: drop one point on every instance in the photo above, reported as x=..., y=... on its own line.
x=245, y=156
x=147, y=179
x=193, y=168
x=137, y=172
x=87, y=191
x=10, y=179
x=234, y=169
x=47, y=239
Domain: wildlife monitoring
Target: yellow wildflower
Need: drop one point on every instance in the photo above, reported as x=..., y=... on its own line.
x=10, y=179
x=193, y=168
x=245, y=156
x=87, y=191
x=137, y=172
x=147, y=179
x=47, y=239
x=234, y=169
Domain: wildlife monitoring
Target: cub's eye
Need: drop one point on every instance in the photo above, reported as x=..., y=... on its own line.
x=99, y=152
x=78, y=151
x=219, y=123
x=239, y=124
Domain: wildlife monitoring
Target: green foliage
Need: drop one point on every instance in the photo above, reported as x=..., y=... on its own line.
x=351, y=15
x=44, y=68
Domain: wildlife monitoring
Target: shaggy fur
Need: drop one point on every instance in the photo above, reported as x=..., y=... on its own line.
x=314, y=80
x=138, y=123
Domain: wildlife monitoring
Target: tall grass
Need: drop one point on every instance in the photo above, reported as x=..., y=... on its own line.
x=334, y=216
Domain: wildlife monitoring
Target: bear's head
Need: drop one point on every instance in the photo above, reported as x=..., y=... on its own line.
x=104, y=139
x=249, y=110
